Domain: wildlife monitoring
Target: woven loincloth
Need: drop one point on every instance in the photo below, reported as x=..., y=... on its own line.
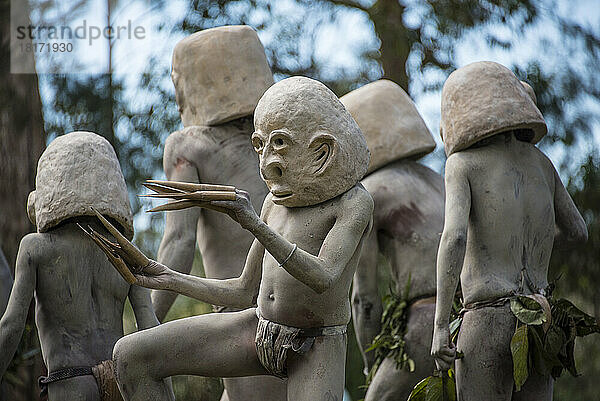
x=274, y=340
x=104, y=374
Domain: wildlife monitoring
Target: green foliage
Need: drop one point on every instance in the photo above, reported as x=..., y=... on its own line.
x=527, y=310
x=584, y=387
x=390, y=343
x=546, y=350
x=519, y=347
x=568, y=315
x=455, y=328
x=441, y=386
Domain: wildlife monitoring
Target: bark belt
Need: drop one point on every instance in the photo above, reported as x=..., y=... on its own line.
x=62, y=374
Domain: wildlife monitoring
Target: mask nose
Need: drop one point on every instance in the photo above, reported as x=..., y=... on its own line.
x=271, y=169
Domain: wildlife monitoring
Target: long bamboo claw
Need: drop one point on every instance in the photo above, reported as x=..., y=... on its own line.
x=202, y=196
x=130, y=252
x=161, y=189
x=192, y=187
x=177, y=205
x=116, y=261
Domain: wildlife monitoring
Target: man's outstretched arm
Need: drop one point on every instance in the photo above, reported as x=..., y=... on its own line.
x=451, y=254
x=12, y=323
x=178, y=244
x=239, y=292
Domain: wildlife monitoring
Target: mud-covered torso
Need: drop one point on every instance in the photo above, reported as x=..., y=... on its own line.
x=511, y=223
x=79, y=299
x=223, y=155
x=408, y=219
x=284, y=299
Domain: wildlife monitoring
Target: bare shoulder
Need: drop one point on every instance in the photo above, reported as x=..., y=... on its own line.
x=356, y=203
x=32, y=248
x=460, y=163
x=545, y=162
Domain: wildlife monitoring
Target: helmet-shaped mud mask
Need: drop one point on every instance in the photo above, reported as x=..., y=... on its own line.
x=219, y=74
x=483, y=99
x=310, y=147
x=389, y=119
x=78, y=171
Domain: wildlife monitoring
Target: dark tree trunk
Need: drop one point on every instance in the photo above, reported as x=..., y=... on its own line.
x=395, y=39
x=22, y=141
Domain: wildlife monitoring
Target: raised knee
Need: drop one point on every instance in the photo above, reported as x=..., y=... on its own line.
x=126, y=358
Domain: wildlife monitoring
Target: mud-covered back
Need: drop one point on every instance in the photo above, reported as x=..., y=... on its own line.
x=219, y=75
x=78, y=171
x=389, y=119
x=483, y=99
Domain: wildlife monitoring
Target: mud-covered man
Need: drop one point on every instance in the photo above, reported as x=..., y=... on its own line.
x=79, y=296
x=505, y=208
x=299, y=269
x=219, y=75
x=407, y=224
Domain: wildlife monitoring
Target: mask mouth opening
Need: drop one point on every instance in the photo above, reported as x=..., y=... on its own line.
x=282, y=195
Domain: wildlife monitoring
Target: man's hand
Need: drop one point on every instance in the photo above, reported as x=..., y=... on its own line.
x=442, y=349
x=221, y=198
x=155, y=276
x=240, y=210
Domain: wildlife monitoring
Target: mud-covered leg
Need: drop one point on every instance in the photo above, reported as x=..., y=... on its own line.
x=262, y=388
x=81, y=388
x=216, y=345
x=389, y=383
x=319, y=374
x=484, y=338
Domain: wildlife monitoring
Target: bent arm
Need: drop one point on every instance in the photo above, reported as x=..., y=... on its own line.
x=179, y=239
x=240, y=292
x=366, y=303
x=451, y=252
x=570, y=225
x=142, y=307
x=12, y=323
x=322, y=271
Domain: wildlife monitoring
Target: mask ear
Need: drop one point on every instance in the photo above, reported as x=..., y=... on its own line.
x=31, y=207
x=321, y=149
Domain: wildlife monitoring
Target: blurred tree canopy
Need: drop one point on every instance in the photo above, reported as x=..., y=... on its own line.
x=416, y=44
